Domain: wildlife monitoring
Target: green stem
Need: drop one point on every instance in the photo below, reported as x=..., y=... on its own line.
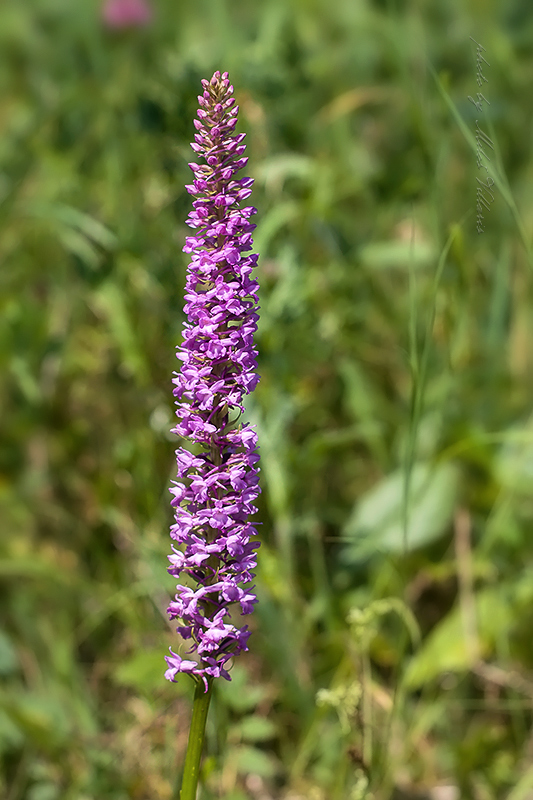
x=191, y=769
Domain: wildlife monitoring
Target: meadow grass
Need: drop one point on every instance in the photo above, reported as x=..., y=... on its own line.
x=391, y=654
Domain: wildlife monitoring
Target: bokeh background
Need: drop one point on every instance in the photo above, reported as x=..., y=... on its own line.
x=392, y=647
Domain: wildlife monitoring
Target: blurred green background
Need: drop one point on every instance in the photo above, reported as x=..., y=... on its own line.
x=392, y=647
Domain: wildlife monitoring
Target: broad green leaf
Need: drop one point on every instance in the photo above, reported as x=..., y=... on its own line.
x=376, y=523
x=251, y=760
x=43, y=791
x=254, y=729
x=446, y=649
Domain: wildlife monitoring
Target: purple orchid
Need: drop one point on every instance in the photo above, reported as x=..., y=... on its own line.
x=219, y=481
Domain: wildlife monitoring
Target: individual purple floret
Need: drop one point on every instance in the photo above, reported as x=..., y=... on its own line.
x=219, y=479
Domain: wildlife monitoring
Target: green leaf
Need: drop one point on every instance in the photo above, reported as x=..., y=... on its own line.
x=250, y=760
x=446, y=650
x=376, y=522
x=254, y=729
x=11, y=736
x=43, y=791
x=8, y=656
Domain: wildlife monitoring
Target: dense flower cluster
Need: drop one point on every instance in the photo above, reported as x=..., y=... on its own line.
x=219, y=484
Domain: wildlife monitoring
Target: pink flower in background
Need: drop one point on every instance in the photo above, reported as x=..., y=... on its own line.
x=126, y=13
